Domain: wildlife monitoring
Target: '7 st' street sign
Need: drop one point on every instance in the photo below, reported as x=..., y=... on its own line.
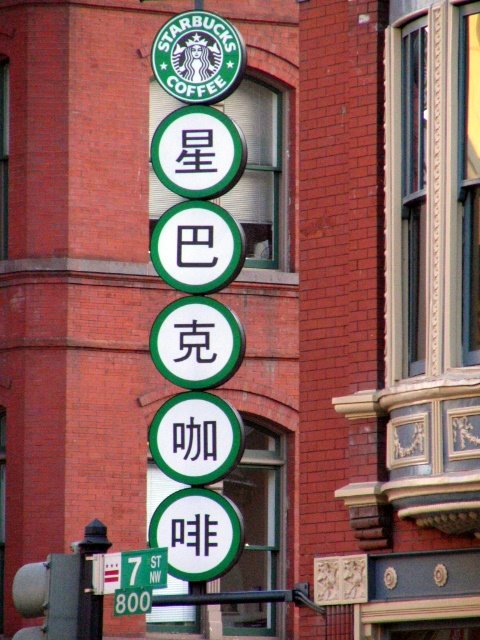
x=131, y=569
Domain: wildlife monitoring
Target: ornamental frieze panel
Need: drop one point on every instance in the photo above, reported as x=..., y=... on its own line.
x=340, y=580
x=408, y=440
x=463, y=428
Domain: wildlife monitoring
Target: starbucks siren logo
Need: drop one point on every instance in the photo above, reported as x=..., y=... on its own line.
x=198, y=57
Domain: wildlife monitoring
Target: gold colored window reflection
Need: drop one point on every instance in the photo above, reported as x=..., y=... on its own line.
x=472, y=146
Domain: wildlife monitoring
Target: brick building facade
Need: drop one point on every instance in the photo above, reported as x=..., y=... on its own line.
x=78, y=388
x=389, y=174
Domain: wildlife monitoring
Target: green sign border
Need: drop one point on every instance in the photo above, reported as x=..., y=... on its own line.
x=231, y=365
x=236, y=546
x=233, y=174
x=233, y=457
x=231, y=271
x=162, y=64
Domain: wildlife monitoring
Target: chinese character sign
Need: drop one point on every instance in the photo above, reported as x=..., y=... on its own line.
x=197, y=342
x=202, y=530
x=196, y=438
x=197, y=247
x=198, y=152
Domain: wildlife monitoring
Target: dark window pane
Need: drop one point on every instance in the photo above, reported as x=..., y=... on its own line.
x=253, y=491
x=416, y=288
x=251, y=573
x=414, y=109
x=472, y=266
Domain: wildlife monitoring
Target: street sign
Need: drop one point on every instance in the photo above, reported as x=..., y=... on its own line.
x=128, y=602
x=203, y=531
x=196, y=438
x=197, y=247
x=198, y=152
x=131, y=569
x=197, y=342
x=198, y=57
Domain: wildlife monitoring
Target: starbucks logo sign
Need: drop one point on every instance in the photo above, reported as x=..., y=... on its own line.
x=198, y=57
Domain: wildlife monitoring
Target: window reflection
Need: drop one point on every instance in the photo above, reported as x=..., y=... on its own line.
x=472, y=128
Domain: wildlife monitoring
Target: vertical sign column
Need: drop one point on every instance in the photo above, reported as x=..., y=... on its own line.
x=197, y=248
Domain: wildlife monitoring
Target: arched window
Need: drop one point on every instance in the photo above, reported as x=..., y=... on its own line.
x=256, y=486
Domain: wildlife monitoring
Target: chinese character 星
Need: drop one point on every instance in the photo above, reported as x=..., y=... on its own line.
x=193, y=157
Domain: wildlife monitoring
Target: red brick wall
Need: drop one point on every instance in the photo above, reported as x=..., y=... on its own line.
x=341, y=265
x=342, y=278
x=76, y=377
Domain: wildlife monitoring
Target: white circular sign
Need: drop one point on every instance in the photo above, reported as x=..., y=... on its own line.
x=197, y=247
x=197, y=342
x=202, y=530
x=196, y=438
x=198, y=152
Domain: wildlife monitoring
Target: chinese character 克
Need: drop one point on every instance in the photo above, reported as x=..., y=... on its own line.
x=195, y=342
x=198, y=533
x=194, y=238
x=193, y=157
x=195, y=439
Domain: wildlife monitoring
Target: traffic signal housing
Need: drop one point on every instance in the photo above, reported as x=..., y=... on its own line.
x=49, y=589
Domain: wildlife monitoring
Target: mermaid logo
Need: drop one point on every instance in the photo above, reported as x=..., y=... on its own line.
x=198, y=57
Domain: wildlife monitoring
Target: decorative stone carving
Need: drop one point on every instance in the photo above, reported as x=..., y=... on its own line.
x=340, y=580
x=390, y=578
x=417, y=442
x=440, y=575
x=408, y=441
x=453, y=522
x=463, y=433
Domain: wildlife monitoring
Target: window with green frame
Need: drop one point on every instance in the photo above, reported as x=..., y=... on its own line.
x=470, y=179
x=4, y=136
x=414, y=128
x=255, y=486
x=255, y=201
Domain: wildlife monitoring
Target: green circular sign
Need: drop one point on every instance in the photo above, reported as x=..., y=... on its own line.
x=196, y=438
x=197, y=343
x=202, y=530
x=197, y=247
x=198, y=152
x=198, y=57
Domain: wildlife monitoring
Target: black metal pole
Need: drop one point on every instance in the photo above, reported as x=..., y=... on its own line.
x=90, y=606
x=224, y=598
